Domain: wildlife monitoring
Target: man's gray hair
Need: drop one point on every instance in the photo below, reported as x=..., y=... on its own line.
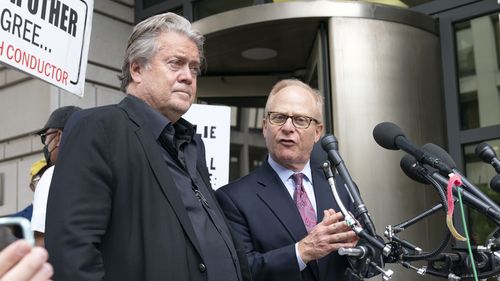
x=142, y=43
x=295, y=82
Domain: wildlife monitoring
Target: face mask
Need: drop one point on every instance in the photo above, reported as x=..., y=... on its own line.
x=46, y=154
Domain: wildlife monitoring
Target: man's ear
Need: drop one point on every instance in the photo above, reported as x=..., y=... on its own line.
x=59, y=137
x=318, y=132
x=135, y=70
x=264, y=127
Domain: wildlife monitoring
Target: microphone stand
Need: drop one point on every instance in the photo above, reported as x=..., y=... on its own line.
x=363, y=258
x=361, y=210
x=351, y=222
x=364, y=253
x=453, y=266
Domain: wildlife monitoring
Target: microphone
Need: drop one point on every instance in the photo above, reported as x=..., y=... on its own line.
x=390, y=136
x=442, y=154
x=350, y=221
x=357, y=252
x=410, y=167
x=495, y=183
x=330, y=145
x=414, y=170
x=486, y=153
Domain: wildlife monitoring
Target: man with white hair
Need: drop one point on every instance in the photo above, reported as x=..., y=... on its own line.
x=131, y=196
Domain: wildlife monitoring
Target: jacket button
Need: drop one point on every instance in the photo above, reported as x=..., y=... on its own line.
x=202, y=267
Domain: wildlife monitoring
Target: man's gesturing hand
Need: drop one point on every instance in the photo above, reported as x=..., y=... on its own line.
x=327, y=236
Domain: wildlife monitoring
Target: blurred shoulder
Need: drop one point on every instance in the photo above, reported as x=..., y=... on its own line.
x=243, y=185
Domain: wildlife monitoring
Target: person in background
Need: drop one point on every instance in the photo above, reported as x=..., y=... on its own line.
x=284, y=210
x=36, y=171
x=131, y=197
x=50, y=135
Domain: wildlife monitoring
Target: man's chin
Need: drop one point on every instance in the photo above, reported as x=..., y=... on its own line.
x=182, y=108
x=286, y=158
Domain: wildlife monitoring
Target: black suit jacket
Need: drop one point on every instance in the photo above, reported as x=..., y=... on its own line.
x=114, y=212
x=262, y=212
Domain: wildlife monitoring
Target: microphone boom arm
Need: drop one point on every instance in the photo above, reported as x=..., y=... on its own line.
x=350, y=220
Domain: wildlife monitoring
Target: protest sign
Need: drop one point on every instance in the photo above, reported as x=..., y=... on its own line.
x=48, y=39
x=213, y=123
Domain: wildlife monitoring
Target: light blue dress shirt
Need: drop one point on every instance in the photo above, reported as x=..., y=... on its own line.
x=285, y=175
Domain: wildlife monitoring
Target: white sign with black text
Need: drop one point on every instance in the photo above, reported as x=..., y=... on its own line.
x=48, y=39
x=213, y=123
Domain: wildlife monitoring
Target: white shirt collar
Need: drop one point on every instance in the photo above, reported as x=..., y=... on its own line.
x=285, y=173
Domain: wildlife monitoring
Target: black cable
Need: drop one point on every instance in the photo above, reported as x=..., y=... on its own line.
x=482, y=275
x=428, y=255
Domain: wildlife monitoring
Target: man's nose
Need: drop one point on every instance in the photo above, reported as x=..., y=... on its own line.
x=186, y=75
x=288, y=124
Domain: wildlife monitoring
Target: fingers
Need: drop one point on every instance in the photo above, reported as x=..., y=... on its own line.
x=44, y=273
x=330, y=216
x=337, y=246
x=12, y=254
x=319, y=243
x=354, y=240
x=346, y=239
x=337, y=227
x=343, y=237
x=33, y=267
x=337, y=232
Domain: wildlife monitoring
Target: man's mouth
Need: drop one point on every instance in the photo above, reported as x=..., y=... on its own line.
x=287, y=142
x=186, y=92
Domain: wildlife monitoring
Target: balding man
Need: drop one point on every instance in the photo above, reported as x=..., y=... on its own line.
x=284, y=210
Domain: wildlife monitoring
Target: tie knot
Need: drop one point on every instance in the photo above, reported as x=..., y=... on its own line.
x=297, y=179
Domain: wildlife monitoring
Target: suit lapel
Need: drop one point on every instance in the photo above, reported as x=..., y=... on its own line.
x=161, y=172
x=201, y=165
x=323, y=193
x=276, y=197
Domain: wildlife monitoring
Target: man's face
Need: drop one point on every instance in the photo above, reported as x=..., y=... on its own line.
x=34, y=181
x=168, y=82
x=290, y=146
x=52, y=141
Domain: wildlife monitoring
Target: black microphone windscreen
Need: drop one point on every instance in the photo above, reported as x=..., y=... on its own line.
x=385, y=135
x=439, y=153
x=495, y=183
x=407, y=164
x=329, y=142
x=485, y=152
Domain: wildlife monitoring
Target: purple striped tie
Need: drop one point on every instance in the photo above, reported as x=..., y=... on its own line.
x=305, y=207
